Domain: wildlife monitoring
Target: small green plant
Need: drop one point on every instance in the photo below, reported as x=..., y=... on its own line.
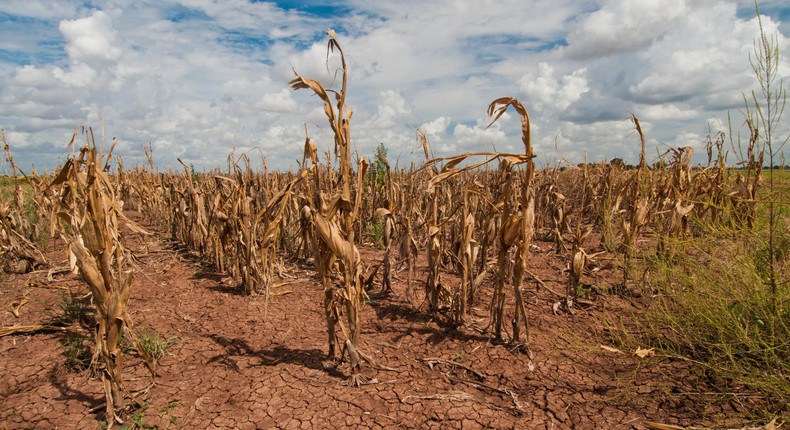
x=137, y=417
x=155, y=345
x=192, y=172
x=375, y=231
x=168, y=407
x=78, y=354
x=137, y=420
x=71, y=309
x=377, y=172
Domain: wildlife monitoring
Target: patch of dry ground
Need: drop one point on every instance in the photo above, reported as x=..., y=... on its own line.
x=234, y=363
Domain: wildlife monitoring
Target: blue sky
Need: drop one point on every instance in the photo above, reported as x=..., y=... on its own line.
x=197, y=78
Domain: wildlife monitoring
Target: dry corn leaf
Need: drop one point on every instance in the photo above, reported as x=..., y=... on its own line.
x=658, y=426
x=28, y=329
x=454, y=162
x=63, y=175
x=579, y=260
x=333, y=238
x=382, y=212
x=14, y=306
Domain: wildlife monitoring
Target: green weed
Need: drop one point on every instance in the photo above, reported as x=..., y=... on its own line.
x=155, y=345
x=78, y=354
x=375, y=231
x=71, y=309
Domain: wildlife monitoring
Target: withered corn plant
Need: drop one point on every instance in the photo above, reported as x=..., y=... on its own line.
x=711, y=184
x=18, y=234
x=635, y=196
x=516, y=208
x=578, y=254
x=434, y=289
x=517, y=224
x=673, y=195
x=89, y=212
x=467, y=255
x=744, y=199
x=407, y=246
x=332, y=220
x=386, y=213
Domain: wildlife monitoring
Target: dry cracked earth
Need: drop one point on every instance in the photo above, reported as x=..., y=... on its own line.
x=239, y=362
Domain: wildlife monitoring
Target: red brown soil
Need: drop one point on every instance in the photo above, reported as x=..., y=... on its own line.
x=236, y=364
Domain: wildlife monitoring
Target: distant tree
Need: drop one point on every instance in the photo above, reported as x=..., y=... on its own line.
x=617, y=162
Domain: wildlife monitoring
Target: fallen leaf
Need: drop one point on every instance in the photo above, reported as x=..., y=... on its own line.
x=14, y=306
x=642, y=353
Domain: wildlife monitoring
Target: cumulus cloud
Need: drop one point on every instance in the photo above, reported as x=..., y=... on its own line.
x=280, y=101
x=91, y=39
x=392, y=110
x=480, y=137
x=435, y=129
x=545, y=92
x=715, y=62
x=618, y=26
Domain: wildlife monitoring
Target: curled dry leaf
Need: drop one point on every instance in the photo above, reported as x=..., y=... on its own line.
x=14, y=306
x=644, y=352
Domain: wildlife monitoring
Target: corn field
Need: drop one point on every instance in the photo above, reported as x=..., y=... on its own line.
x=461, y=227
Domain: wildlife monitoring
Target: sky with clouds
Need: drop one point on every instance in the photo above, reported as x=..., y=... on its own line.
x=196, y=78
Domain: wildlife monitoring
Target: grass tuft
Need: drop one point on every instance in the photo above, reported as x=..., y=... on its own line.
x=71, y=309
x=155, y=345
x=77, y=352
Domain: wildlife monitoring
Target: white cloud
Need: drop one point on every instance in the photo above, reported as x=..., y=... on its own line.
x=545, y=92
x=392, y=110
x=715, y=63
x=91, y=39
x=198, y=77
x=79, y=75
x=664, y=112
x=280, y=101
x=479, y=138
x=435, y=130
x=41, y=9
x=618, y=26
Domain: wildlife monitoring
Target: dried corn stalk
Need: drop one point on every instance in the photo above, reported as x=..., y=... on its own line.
x=332, y=220
x=387, y=215
x=17, y=234
x=578, y=255
x=90, y=213
x=517, y=225
x=635, y=215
